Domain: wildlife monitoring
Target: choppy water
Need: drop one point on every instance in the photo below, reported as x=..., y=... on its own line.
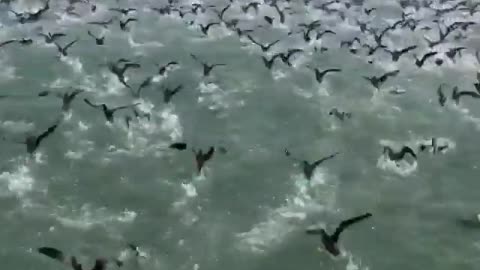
x=91, y=187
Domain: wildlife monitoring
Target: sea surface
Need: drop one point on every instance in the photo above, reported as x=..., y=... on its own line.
x=92, y=186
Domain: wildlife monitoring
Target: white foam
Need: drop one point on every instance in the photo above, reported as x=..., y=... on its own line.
x=18, y=182
x=317, y=196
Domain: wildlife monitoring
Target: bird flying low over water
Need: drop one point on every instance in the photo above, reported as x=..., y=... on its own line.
x=396, y=156
x=33, y=141
x=307, y=167
x=330, y=242
x=108, y=112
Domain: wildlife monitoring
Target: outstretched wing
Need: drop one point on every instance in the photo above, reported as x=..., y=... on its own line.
x=346, y=223
x=209, y=154
x=320, y=161
x=70, y=44
x=45, y=134
x=7, y=42
x=91, y=104
x=53, y=253
x=125, y=107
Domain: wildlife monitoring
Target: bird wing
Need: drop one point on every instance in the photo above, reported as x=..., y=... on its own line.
x=53, y=253
x=7, y=42
x=427, y=55
x=131, y=20
x=75, y=92
x=93, y=105
x=408, y=49
x=195, y=58
x=346, y=223
x=125, y=107
x=70, y=44
x=253, y=41
x=45, y=134
x=332, y=70
x=273, y=43
x=320, y=161
x=209, y=154
x=469, y=93
x=56, y=35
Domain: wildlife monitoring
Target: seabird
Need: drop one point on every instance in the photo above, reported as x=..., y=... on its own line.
x=50, y=38
x=453, y=52
x=201, y=158
x=373, y=49
x=265, y=47
x=205, y=28
x=396, y=156
x=378, y=81
x=98, y=40
x=269, y=62
x=63, y=50
x=286, y=56
x=307, y=167
x=222, y=12
x=319, y=74
x=330, y=242
x=123, y=24
x=322, y=33
x=396, y=54
x=268, y=19
x=340, y=115
x=456, y=95
x=119, y=71
x=169, y=93
x=368, y=11
x=53, y=253
x=23, y=42
x=67, y=97
x=145, y=83
x=280, y=13
x=33, y=142
x=108, y=112
x=206, y=67
x=441, y=96
x=163, y=68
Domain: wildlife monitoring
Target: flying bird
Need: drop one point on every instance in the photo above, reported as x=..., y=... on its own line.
x=307, y=167
x=109, y=112
x=201, y=158
x=207, y=68
x=396, y=156
x=378, y=81
x=320, y=74
x=63, y=50
x=330, y=242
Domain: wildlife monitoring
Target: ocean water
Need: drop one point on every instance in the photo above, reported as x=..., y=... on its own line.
x=93, y=186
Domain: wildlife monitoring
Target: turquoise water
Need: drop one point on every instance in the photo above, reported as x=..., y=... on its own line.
x=91, y=187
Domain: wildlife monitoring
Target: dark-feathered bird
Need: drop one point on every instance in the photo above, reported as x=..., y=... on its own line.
x=396, y=156
x=330, y=242
x=108, y=112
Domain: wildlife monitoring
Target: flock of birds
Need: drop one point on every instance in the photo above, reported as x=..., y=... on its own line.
x=369, y=42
